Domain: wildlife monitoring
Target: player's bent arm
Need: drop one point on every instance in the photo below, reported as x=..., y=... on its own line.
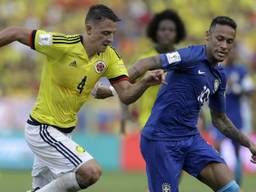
x=11, y=34
x=143, y=65
x=223, y=123
x=129, y=93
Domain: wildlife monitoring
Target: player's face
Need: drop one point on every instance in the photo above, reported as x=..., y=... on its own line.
x=102, y=34
x=220, y=42
x=166, y=33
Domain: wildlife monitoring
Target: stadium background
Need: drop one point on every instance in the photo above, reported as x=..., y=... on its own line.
x=98, y=128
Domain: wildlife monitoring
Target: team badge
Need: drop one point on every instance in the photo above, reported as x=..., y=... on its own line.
x=45, y=39
x=173, y=57
x=100, y=67
x=166, y=187
x=216, y=85
x=80, y=149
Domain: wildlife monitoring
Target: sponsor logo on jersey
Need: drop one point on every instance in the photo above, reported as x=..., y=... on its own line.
x=173, y=57
x=166, y=187
x=100, y=67
x=201, y=72
x=73, y=64
x=45, y=39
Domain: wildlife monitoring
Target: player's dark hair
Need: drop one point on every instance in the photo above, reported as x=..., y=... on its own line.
x=167, y=14
x=99, y=12
x=223, y=20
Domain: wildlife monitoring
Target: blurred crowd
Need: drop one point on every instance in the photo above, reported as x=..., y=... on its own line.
x=20, y=66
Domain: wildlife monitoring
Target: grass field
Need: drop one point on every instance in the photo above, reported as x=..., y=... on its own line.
x=18, y=181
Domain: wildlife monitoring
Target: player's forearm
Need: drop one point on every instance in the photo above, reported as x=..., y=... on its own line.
x=7, y=36
x=222, y=122
x=133, y=92
x=12, y=34
x=140, y=67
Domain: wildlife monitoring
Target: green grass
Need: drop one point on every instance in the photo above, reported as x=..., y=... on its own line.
x=19, y=181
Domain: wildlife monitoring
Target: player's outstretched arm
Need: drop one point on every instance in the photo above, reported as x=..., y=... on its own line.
x=143, y=65
x=11, y=34
x=129, y=93
x=223, y=123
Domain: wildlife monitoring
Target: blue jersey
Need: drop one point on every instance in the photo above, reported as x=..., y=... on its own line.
x=235, y=75
x=191, y=82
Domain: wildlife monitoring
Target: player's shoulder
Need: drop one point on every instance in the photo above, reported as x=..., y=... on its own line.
x=193, y=52
x=111, y=53
x=60, y=38
x=192, y=55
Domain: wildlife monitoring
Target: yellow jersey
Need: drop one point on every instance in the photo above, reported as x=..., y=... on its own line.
x=147, y=100
x=69, y=75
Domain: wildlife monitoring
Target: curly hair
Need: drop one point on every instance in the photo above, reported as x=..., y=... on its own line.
x=168, y=14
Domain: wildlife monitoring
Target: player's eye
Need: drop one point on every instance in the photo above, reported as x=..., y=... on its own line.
x=106, y=33
x=220, y=38
x=230, y=41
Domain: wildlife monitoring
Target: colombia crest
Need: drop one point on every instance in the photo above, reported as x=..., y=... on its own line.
x=100, y=66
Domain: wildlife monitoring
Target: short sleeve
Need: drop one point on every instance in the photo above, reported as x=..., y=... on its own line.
x=180, y=59
x=52, y=44
x=116, y=70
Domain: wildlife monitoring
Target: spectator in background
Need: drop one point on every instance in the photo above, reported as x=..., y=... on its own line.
x=239, y=85
x=165, y=30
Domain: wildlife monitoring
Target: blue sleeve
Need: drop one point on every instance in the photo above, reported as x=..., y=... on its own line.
x=176, y=60
x=218, y=100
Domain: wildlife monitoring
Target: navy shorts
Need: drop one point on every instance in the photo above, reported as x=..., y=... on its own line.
x=166, y=159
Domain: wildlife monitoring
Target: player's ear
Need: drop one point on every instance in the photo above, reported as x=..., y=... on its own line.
x=88, y=29
x=207, y=34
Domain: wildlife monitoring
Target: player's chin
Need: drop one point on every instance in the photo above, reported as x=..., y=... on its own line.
x=220, y=59
x=102, y=49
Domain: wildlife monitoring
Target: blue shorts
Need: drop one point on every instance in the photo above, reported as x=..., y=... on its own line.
x=166, y=159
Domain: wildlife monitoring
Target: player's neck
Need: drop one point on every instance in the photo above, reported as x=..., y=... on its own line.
x=212, y=62
x=89, y=48
x=164, y=49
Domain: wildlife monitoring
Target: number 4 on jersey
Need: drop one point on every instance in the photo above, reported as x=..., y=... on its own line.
x=80, y=86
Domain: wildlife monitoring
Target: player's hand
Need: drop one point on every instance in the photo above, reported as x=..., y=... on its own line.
x=155, y=77
x=101, y=91
x=253, y=151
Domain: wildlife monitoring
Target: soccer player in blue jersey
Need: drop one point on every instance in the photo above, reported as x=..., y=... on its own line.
x=170, y=140
x=239, y=84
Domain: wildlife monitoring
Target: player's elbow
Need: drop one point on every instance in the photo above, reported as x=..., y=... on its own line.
x=126, y=100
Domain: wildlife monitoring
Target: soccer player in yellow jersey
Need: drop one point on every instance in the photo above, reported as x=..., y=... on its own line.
x=74, y=65
x=165, y=30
